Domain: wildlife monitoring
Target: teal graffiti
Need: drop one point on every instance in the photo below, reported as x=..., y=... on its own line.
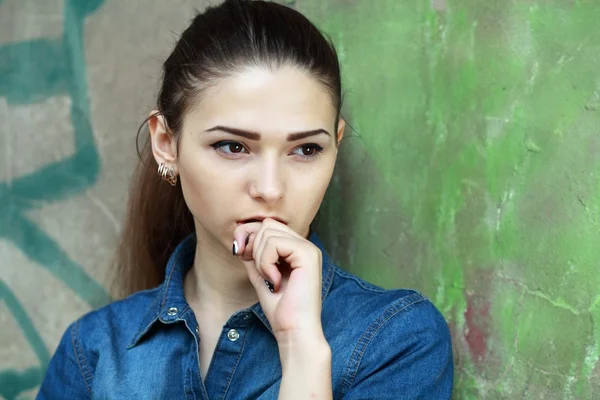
x=12, y=382
x=31, y=71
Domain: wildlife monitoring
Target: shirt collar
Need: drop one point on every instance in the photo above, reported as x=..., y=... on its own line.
x=168, y=302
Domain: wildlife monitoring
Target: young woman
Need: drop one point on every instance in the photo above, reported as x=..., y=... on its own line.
x=232, y=296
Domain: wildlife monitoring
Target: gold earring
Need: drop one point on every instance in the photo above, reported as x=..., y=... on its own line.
x=167, y=174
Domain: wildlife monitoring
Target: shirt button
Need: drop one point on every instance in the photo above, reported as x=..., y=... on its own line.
x=172, y=311
x=233, y=335
x=247, y=316
x=197, y=330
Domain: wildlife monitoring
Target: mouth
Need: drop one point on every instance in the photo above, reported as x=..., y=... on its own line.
x=260, y=219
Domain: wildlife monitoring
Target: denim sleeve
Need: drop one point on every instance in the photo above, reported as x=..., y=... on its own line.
x=68, y=375
x=405, y=354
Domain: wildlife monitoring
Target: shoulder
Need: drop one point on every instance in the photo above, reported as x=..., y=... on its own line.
x=375, y=303
x=383, y=336
x=120, y=320
x=71, y=369
x=111, y=328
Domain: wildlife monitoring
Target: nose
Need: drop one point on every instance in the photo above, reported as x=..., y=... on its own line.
x=267, y=183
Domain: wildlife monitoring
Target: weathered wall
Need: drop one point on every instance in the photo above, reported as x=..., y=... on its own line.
x=476, y=178
x=482, y=184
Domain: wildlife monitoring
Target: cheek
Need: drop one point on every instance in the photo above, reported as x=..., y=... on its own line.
x=310, y=188
x=208, y=191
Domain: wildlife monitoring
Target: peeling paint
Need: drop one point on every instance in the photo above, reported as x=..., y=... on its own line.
x=476, y=328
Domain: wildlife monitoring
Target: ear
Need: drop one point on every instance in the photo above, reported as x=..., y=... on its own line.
x=340, y=132
x=164, y=145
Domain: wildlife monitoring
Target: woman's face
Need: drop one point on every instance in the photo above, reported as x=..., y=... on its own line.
x=259, y=144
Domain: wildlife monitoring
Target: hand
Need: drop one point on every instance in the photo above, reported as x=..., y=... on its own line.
x=272, y=251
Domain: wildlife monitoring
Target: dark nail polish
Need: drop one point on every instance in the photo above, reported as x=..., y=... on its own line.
x=270, y=286
x=234, y=249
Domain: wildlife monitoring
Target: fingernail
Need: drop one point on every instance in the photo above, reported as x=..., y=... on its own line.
x=235, y=248
x=247, y=239
x=270, y=286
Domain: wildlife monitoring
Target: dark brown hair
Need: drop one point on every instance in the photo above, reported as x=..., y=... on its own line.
x=218, y=43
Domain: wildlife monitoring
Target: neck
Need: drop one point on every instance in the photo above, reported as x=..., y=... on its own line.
x=217, y=283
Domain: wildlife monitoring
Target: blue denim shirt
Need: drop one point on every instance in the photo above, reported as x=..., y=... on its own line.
x=386, y=344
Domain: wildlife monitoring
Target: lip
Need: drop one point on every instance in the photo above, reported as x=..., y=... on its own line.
x=260, y=218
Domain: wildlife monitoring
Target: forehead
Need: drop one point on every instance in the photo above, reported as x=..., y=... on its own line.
x=268, y=101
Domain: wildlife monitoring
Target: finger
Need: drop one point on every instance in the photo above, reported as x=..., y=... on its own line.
x=269, y=228
x=261, y=236
x=293, y=252
x=271, y=272
x=246, y=236
x=241, y=234
x=262, y=285
x=270, y=223
x=247, y=246
x=256, y=279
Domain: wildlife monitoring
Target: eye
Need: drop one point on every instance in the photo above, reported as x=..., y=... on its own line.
x=308, y=151
x=229, y=147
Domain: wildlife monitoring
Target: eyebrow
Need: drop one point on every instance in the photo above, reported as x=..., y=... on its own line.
x=292, y=137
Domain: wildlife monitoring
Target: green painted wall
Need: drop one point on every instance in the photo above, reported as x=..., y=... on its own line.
x=477, y=178
x=474, y=176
